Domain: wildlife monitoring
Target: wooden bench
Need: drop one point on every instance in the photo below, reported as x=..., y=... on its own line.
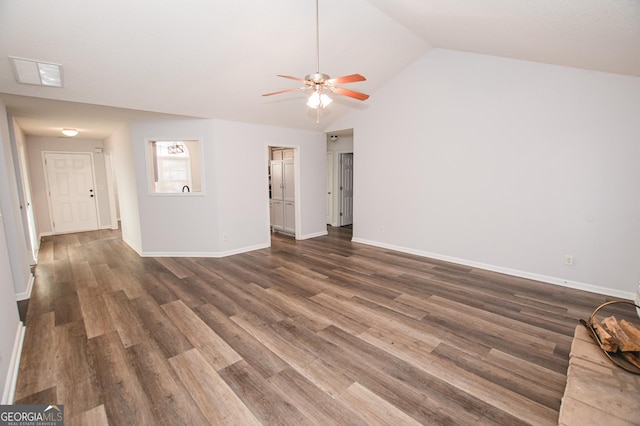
x=598, y=392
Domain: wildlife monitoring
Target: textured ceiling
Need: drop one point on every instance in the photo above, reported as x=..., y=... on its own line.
x=128, y=59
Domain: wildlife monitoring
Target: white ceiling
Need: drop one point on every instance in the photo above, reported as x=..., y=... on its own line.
x=128, y=59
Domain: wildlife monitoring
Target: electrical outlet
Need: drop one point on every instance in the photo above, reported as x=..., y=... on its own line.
x=568, y=260
x=381, y=228
x=225, y=236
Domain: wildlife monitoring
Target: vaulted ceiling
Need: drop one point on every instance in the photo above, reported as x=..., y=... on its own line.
x=126, y=59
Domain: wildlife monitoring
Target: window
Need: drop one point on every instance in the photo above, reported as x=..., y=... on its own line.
x=174, y=166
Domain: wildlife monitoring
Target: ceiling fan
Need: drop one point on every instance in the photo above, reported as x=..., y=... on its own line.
x=320, y=83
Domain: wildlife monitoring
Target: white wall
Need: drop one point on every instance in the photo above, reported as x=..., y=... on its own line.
x=35, y=146
x=235, y=198
x=120, y=147
x=504, y=164
x=243, y=185
x=10, y=326
x=14, y=267
x=175, y=223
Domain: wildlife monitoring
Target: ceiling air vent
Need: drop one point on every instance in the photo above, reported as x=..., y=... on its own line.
x=29, y=71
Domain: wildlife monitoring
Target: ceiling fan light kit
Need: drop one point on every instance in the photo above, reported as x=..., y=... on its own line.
x=318, y=99
x=321, y=83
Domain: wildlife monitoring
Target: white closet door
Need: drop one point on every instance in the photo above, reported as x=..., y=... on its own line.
x=289, y=217
x=288, y=177
x=278, y=214
x=277, y=182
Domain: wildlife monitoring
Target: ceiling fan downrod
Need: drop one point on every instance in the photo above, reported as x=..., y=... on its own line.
x=318, y=43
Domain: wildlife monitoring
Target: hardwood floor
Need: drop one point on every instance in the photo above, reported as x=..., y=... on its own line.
x=321, y=331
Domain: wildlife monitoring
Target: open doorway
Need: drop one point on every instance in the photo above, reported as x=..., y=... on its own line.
x=282, y=199
x=340, y=162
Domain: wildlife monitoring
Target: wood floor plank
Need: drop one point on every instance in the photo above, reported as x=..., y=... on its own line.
x=172, y=404
x=124, y=398
x=214, y=348
x=65, y=302
x=252, y=351
x=317, y=316
x=45, y=396
x=266, y=404
x=77, y=384
x=127, y=282
x=194, y=291
x=529, y=371
x=246, y=302
x=211, y=394
x=159, y=327
x=175, y=267
x=317, y=331
x=441, y=401
x=496, y=374
x=124, y=319
x=313, y=402
x=374, y=409
x=105, y=278
x=37, y=365
x=95, y=313
x=159, y=285
x=82, y=274
x=96, y=416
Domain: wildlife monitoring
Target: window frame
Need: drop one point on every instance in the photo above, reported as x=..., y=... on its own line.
x=151, y=167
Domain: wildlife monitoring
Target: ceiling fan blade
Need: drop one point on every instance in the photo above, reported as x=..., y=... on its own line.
x=345, y=79
x=350, y=93
x=284, y=91
x=301, y=80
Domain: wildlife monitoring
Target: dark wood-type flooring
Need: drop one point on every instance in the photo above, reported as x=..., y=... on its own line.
x=321, y=331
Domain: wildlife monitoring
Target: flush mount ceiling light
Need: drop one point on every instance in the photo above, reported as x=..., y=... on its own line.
x=321, y=83
x=29, y=71
x=69, y=132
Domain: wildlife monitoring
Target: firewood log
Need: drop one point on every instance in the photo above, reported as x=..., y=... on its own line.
x=632, y=357
x=631, y=331
x=622, y=339
x=609, y=343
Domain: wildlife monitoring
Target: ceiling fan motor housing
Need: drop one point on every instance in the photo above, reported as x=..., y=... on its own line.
x=317, y=78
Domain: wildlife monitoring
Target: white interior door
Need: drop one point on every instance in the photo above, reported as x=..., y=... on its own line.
x=346, y=189
x=72, y=200
x=26, y=207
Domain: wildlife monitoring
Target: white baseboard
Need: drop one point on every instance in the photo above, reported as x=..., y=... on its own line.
x=27, y=293
x=206, y=254
x=314, y=235
x=513, y=272
x=12, y=374
x=133, y=247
